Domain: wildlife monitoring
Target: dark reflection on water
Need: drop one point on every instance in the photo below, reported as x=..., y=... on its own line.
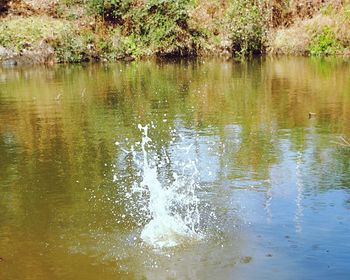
x=275, y=178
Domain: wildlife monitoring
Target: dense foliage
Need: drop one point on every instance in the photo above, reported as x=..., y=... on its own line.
x=84, y=30
x=247, y=22
x=325, y=43
x=154, y=26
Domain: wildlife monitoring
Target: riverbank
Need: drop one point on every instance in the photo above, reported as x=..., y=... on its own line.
x=71, y=31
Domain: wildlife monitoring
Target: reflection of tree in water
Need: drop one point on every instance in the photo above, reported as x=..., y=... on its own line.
x=302, y=85
x=244, y=110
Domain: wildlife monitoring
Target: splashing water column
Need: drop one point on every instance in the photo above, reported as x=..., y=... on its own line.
x=165, y=229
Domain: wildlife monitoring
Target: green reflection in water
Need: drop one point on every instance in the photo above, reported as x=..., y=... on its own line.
x=250, y=130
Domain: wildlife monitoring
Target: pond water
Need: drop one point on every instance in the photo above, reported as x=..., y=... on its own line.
x=234, y=179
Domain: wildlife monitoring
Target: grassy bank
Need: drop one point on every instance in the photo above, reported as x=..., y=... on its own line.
x=327, y=32
x=69, y=31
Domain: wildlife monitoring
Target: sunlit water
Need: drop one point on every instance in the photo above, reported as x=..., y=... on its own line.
x=176, y=170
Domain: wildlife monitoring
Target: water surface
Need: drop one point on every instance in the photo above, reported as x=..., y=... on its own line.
x=273, y=184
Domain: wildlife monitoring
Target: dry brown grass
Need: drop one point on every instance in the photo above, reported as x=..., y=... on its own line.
x=296, y=38
x=286, y=13
x=41, y=4
x=15, y=7
x=206, y=14
x=290, y=40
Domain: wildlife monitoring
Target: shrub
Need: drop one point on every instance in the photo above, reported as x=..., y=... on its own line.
x=72, y=48
x=324, y=43
x=153, y=26
x=247, y=26
x=112, y=10
x=166, y=28
x=130, y=46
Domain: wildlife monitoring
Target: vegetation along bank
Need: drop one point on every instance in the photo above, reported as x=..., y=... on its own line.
x=71, y=31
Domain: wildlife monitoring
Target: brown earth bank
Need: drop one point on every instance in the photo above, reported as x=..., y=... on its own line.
x=71, y=31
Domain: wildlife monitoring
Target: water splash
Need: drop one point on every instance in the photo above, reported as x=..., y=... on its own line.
x=172, y=205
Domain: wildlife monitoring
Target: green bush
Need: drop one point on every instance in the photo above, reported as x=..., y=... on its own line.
x=166, y=28
x=150, y=27
x=130, y=46
x=112, y=10
x=324, y=43
x=76, y=46
x=247, y=26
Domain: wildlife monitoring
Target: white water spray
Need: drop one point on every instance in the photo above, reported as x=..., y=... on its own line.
x=173, y=208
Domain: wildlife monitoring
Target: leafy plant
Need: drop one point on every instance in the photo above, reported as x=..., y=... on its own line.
x=324, y=43
x=112, y=10
x=247, y=26
x=74, y=46
x=130, y=46
x=153, y=26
